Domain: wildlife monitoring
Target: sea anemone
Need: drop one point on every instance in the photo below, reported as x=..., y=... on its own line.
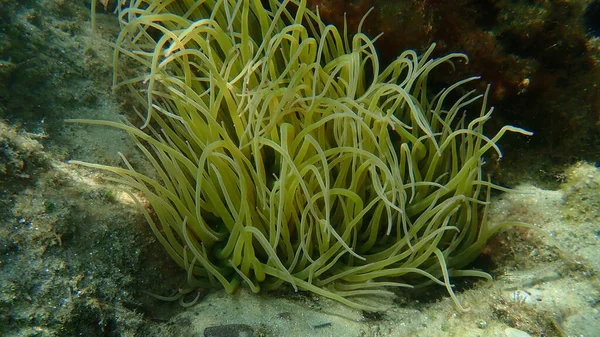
x=285, y=154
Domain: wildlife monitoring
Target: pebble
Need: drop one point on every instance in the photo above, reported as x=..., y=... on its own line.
x=511, y=332
x=229, y=330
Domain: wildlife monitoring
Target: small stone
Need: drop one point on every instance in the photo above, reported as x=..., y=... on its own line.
x=229, y=330
x=511, y=332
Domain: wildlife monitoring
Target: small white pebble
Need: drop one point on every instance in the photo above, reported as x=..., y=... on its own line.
x=510, y=332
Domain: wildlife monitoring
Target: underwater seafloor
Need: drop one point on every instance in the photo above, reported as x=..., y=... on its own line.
x=77, y=258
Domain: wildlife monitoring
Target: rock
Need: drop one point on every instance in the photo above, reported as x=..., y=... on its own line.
x=229, y=330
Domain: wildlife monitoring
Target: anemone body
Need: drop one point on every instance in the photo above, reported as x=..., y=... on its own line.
x=285, y=154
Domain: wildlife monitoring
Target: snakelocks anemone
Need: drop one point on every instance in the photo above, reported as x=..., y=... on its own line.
x=284, y=153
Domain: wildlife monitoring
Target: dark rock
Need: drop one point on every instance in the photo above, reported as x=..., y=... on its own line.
x=229, y=330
